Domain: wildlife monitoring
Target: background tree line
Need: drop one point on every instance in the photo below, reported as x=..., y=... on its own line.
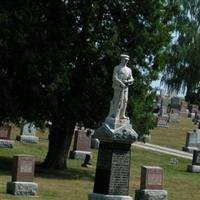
x=57, y=59
x=183, y=69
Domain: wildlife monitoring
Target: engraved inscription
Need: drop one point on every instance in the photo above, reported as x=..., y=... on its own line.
x=26, y=166
x=119, y=179
x=154, y=179
x=83, y=141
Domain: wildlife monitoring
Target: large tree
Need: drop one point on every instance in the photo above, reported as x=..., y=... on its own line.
x=183, y=70
x=58, y=56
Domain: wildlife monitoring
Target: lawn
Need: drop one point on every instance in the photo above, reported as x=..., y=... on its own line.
x=76, y=182
x=175, y=135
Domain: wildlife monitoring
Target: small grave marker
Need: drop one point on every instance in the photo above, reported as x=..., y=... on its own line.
x=151, y=185
x=82, y=143
x=174, y=161
x=151, y=177
x=22, y=176
x=5, y=134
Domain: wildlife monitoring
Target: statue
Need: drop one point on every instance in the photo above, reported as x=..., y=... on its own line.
x=122, y=78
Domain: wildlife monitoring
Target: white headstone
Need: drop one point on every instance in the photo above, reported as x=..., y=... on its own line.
x=29, y=129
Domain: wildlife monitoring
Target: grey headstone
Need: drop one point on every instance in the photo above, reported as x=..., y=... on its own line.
x=192, y=141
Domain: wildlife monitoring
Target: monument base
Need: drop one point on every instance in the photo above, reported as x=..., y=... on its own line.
x=97, y=196
x=22, y=188
x=79, y=155
x=193, y=168
x=151, y=194
x=189, y=149
x=27, y=138
x=6, y=143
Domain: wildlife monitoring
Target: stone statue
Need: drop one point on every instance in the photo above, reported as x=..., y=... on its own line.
x=122, y=78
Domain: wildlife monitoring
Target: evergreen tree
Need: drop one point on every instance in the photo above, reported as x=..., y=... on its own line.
x=58, y=57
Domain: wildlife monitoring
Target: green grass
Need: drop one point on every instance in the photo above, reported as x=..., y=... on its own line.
x=76, y=182
x=175, y=135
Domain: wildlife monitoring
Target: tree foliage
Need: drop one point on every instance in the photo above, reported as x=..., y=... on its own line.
x=183, y=70
x=58, y=56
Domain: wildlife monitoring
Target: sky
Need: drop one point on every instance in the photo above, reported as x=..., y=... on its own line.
x=156, y=84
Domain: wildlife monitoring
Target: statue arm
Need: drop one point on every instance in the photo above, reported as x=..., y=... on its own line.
x=116, y=79
x=130, y=78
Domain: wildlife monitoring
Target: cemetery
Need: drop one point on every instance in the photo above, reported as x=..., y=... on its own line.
x=82, y=115
x=77, y=182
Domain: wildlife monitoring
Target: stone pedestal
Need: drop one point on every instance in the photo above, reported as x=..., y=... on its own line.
x=79, y=155
x=22, y=188
x=96, y=196
x=112, y=171
x=195, y=166
x=6, y=143
x=113, y=162
x=151, y=194
x=27, y=138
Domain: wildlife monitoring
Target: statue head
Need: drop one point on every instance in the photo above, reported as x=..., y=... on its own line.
x=124, y=58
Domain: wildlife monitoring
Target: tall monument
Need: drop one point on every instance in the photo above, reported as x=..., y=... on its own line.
x=116, y=136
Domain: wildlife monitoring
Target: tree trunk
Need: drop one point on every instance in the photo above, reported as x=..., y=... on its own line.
x=60, y=138
x=188, y=94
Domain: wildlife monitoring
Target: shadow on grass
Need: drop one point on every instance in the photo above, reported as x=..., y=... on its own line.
x=6, y=164
x=68, y=173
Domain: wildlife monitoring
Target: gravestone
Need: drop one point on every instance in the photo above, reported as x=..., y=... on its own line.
x=5, y=133
x=195, y=166
x=82, y=142
x=165, y=105
x=22, y=176
x=193, y=108
x=175, y=102
x=192, y=141
x=174, y=115
x=28, y=133
x=174, y=161
x=163, y=121
x=151, y=184
x=184, y=106
x=163, y=117
x=196, y=118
